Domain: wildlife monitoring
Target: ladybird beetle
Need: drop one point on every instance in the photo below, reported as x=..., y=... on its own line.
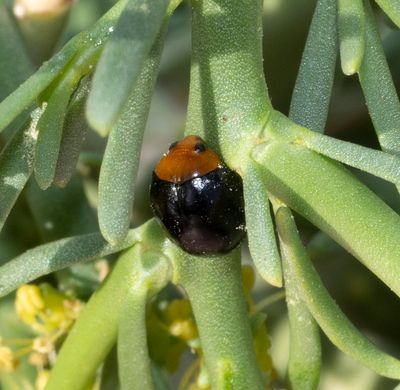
x=198, y=199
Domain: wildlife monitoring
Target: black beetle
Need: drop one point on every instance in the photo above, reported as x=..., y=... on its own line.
x=198, y=199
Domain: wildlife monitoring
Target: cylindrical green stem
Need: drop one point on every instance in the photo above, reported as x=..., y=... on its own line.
x=228, y=100
x=140, y=272
x=153, y=273
x=95, y=332
x=215, y=290
x=133, y=356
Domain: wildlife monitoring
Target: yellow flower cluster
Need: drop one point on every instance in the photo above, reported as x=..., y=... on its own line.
x=8, y=362
x=49, y=314
x=45, y=309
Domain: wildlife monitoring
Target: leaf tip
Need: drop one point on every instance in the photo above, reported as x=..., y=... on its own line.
x=113, y=236
x=42, y=180
x=96, y=123
x=350, y=68
x=274, y=278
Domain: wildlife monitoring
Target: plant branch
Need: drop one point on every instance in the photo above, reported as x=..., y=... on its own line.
x=228, y=101
x=139, y=273
x=133, y=356
x=215, y=291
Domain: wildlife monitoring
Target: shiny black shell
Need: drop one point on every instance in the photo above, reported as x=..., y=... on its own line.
x=205, y=215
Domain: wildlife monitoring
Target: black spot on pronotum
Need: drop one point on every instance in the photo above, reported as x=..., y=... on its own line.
x=173, y=145
x=199, y=148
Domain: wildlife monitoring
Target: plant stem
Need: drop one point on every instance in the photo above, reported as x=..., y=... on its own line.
x=215, y=290
x=140, y=272
x=134, y=364
x=95, y=332
x=228, y=100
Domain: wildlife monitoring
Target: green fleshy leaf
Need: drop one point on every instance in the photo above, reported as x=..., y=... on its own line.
x=378, y=163
x=26, y=93
x=51, y=123
x=351, y=20
x=122, y=155
x=324, y=309
x=24, y=96
x=312, y=91
x=260, y=228
x=50, y=128
x=324, y=192
x=122, y=61
x=379, y=90
x=381, y=164
x=305, y=346
x=15, y=64
x=16, y=165
x=74, y=133
x=391, y=9
x=57, y=255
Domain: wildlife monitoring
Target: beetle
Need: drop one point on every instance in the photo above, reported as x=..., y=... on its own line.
x=198, y=199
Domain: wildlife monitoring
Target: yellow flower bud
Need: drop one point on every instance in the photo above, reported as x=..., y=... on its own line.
x=181, y=321
x=38, y=359
x=43, y=345
x=248, y=278
x=8, y=362
x=41, y=379
x=45, y=309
